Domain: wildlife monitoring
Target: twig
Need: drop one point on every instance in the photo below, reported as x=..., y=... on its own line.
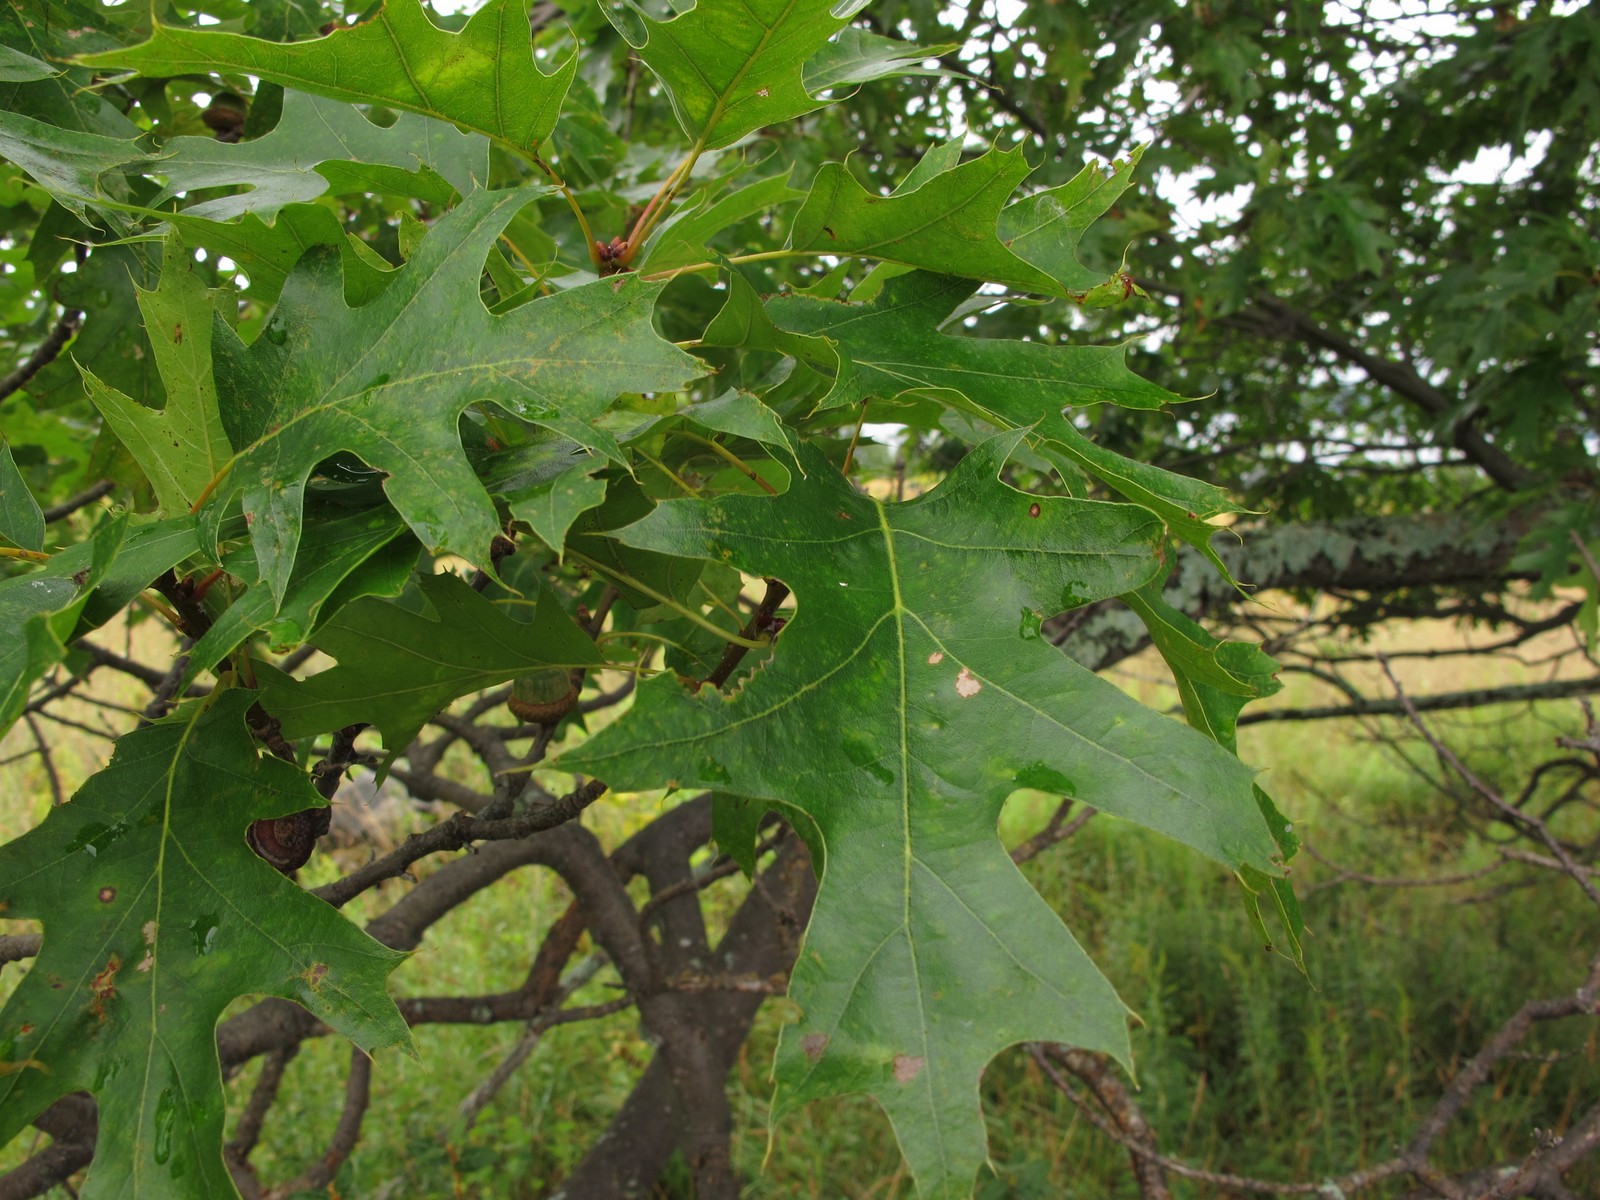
x=760, y=625
x=16, y=946
x=166, y=688
x=704, y=879
x=1115, y=1098
x=1058, y=830
x=56, y=795
x=1555, y=689
x=1413, y=1159
x=82, y=500
x=1347, y=875
x=357, y=1095
x=1583, y=553
x=44, y=354
x=1517, y=817
x=254, y=1117
x=480, y=1096
x=761, y=985
x=460, y=830
x=45, y=1169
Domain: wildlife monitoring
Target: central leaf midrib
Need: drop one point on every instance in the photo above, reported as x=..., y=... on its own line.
x=902, y=711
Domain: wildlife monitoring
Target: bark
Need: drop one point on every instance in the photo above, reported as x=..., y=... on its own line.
x=1373, y=555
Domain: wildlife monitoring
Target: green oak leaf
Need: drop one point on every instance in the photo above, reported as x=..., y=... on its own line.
x=17, y=67
x=157, y=915
x=895, y=345
x=550, y=506
x=397, y=668
x=66, y=163
x=314, y=140
x=351, y=554
x=483, y=78
x=733, y=66
x=265, y=252
x=907, y=698
x=1216, y=679
x=857, y=56
x=1046, y=227
x=946, y=223
x=1186, y=505
x=78, y=590
x=21, y=518
x=183, y=446
x=388, y=382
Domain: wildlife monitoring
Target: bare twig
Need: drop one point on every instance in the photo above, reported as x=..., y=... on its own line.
x=45, y=354
x=481, y=1096
x=357, y=1095
x=83, y=499
x=1554, y=689
x=16, y=946
x=1517, y=817
x=760, y=625
x=254, y=1117
x=460, y=830
x=1059, y=829
x=57, y=796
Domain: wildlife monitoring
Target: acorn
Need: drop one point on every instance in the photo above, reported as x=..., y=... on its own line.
x=225, y=116
x=543, y=697
x=286, y=842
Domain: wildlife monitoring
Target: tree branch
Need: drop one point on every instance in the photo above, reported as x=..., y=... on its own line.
x=45, y=354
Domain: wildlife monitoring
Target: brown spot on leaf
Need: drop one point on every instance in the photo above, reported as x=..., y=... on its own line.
x=177, y=334
x=104, y=987
x=936, y=658
x=315, y=974
x=907, y=1067
x=145, y=963
x=149, y=933
x=107, y=895
x=827, y=230
x=967, y=684
x=1033, y=509
x=814, y=1044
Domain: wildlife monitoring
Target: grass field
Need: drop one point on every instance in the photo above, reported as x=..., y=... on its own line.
x=1244, y=1065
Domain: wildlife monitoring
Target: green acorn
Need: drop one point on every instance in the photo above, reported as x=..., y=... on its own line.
x=543, y=697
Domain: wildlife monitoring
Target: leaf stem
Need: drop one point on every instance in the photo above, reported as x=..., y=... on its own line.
x=685, y=612
x=733, y=458
x=657, y=208
x=669, y=473
x=572, y=203
x=692, y=268
x=216, y=480
x=849, y=455
x=37, y=556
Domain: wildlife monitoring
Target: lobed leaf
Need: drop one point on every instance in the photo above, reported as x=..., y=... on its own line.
x=732, y=66
x=157, y=915
x=183, y=446
x=397, y=668
x=483, y=78
x=388, y=382
x=21, y=518
x=907, y=698
x=316, y=139
x=78, y=590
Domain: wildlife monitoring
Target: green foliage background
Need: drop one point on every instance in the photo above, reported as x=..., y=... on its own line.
x=616, y=283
